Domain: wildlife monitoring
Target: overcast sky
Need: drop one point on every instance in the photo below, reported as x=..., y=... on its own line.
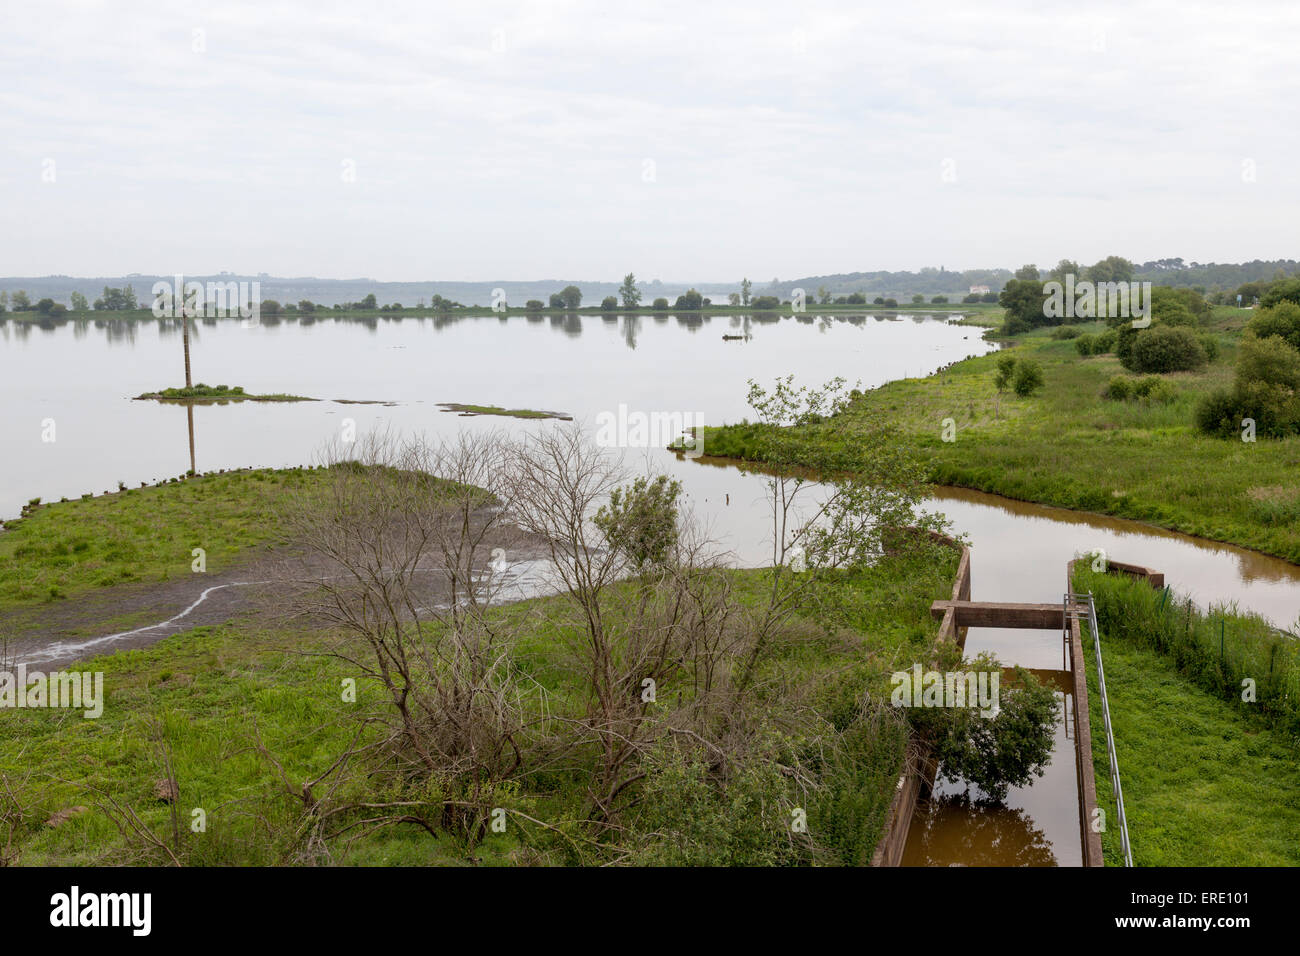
x=686, y=140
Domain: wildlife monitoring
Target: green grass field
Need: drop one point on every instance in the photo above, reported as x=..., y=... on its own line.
x=63, y=549
x=1208, y=780
x=1203, y=785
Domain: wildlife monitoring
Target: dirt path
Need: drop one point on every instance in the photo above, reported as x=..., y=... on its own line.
x=125, y=617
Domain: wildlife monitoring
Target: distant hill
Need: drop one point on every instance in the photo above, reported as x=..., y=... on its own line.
x=336, y=291
x=928, y=281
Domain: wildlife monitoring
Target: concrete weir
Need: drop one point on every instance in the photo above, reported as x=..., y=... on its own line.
x=961, y=612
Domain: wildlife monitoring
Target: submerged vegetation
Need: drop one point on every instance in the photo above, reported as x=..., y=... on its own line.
x=471, y=410
x=202, y=394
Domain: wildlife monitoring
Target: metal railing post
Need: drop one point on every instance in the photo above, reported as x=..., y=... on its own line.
x=1125, y=846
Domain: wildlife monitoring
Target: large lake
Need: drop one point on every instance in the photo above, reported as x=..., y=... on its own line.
x=82, y=376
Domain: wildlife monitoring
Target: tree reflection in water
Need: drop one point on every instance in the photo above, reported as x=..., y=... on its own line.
x=958, y=831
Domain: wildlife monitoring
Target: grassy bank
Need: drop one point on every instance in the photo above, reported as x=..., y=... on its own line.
x=64, y=549
x=1208, y=779
x=1067, y=445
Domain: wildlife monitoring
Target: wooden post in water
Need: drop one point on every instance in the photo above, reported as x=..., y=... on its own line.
x=189, y=411
x=185, y=337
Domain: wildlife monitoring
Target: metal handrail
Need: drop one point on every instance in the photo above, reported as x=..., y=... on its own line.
x=1105, y=716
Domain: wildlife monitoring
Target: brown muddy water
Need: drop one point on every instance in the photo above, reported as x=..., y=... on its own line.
x=1036, y=825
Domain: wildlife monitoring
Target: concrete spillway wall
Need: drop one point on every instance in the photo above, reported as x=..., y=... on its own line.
x=919, y=771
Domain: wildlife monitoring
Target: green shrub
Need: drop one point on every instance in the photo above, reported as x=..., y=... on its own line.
x=1216, y=414
x=1028, y=378
x=1066, y=332
x=640, y=520
x=1270, y=359
x=1287, y=291
x=1210, y=343
x=1006, y=368
x=1085, y=344
x=1105, y=342
x=1164, y=348
x=1281, y=319
x=689, y=817
x=1015, y=325
x=1154, y=389
x=1273, y=408
x=1119, y=388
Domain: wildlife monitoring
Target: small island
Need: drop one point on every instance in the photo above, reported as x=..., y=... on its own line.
x=205, y=394
x=470, y=410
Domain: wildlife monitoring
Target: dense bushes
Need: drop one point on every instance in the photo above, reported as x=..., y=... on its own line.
x=1164, y=348
x=1267, y=386
x=1023, y=300
x=1266, y=391
x=1023, y=376
x=1282, y=320
x=1099, y=344
x=1287, y=291
x=1027, y=379
x=1066, y=332
x=1152, y=388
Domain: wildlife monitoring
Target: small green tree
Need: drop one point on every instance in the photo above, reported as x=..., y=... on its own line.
x=79, y=303
x=571, y=296
x=745, y=288
x=630, y=294
x=995, y=753
x=1006, y=367
x=640, y=521
x=1027, y=379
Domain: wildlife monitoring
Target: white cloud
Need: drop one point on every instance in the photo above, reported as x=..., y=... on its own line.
x=508, y=140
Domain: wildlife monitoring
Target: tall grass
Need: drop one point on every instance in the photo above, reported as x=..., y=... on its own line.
x=1223, y=650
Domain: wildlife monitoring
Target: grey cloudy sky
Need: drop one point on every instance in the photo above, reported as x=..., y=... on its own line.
x=681, y=140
